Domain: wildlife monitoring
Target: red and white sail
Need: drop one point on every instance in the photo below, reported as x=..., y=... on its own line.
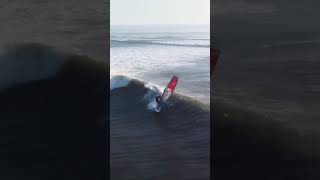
x=170, y=88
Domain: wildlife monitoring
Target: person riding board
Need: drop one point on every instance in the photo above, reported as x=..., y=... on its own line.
x=158, y=98
x=167, y=92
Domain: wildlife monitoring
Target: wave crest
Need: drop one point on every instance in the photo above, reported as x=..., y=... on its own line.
x=22, y=63
x=118, y=82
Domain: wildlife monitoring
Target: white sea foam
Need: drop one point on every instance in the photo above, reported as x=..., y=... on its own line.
x=150, y=96
x=156, y=57
x=118, y=82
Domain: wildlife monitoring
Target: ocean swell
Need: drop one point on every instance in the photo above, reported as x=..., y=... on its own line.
x=28, y=62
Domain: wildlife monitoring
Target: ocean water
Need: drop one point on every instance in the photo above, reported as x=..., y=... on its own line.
x=270, y=65
x=174, y=143
x=154, y=54
x=47, y=116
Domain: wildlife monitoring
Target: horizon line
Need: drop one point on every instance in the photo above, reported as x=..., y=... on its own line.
x=160, y=24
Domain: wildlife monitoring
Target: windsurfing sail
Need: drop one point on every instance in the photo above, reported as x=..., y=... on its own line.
x=169, y=89
x=167, y=92
x=215, y=53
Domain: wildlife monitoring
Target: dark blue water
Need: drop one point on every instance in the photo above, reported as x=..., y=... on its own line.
x=270, y=59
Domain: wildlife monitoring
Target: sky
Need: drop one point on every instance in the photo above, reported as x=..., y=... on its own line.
x=157, y=12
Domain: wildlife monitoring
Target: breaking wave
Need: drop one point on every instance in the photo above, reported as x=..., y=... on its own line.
x=178, y=137
x=52, y=104
x=118, y=82
x=28, y=62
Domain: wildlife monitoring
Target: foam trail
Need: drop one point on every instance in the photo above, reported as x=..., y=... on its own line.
x=118, y=82
x=150, y=96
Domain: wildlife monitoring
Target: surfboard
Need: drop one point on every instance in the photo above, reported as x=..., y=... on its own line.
x=168, y=91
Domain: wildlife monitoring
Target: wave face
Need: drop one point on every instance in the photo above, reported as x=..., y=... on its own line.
x=53, y=118
x=172, y=144
x=28, y=62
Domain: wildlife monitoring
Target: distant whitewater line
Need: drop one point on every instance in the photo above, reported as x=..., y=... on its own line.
x=120, y=37
x=141, y=42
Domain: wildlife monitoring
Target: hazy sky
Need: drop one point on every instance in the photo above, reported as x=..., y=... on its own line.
x=144, y=12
